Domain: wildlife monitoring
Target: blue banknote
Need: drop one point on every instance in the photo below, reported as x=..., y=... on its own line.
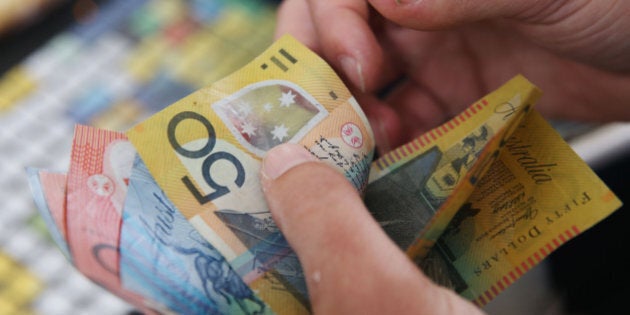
x=165, y=259
x=39, y=192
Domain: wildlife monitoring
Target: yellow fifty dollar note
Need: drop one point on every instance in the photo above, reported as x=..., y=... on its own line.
x=536, y=196
x=205, y=152
x=415, y=190
x=480, y=200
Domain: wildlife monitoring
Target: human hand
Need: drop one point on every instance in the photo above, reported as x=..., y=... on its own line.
x=350, y=264
x=438, y=56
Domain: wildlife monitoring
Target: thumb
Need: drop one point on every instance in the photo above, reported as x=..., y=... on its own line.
x=350, y=265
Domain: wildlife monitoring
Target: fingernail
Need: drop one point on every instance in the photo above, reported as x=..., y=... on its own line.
x=354, y=71
x=282, y=158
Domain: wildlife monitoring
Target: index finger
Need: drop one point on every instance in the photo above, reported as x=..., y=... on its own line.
x=293, y=17
x=347, y=40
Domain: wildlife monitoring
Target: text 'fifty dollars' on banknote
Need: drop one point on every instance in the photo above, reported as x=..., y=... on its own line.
x=537, y=195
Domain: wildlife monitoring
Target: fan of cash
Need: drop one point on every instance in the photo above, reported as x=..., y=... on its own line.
x=170, y=216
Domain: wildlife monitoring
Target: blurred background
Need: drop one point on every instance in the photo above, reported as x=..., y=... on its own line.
x=113, y=63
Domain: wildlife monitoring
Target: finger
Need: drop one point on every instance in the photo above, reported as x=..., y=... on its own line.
x=294, y=18
x=347, y=258
x=419, y=109
x=448, y=82
x=385, y=122
x=438, y=14
x=575, y=29
x=347, y=41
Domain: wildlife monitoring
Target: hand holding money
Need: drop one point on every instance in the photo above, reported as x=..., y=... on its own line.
x=341, y=248
x=171, y=215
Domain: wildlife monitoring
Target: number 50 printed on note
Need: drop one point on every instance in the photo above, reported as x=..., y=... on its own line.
x=205, y=152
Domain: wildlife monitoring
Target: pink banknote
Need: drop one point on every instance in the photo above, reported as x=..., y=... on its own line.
x=97, y=185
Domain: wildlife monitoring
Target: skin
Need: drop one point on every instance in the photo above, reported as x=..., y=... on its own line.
x=350, y=265
x=412, y=65
x=439, y=56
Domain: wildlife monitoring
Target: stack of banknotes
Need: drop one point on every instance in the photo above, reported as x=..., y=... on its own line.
x=169, y=215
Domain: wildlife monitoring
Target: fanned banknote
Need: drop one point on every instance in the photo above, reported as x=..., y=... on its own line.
x=205, y=152
x=475, y=202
